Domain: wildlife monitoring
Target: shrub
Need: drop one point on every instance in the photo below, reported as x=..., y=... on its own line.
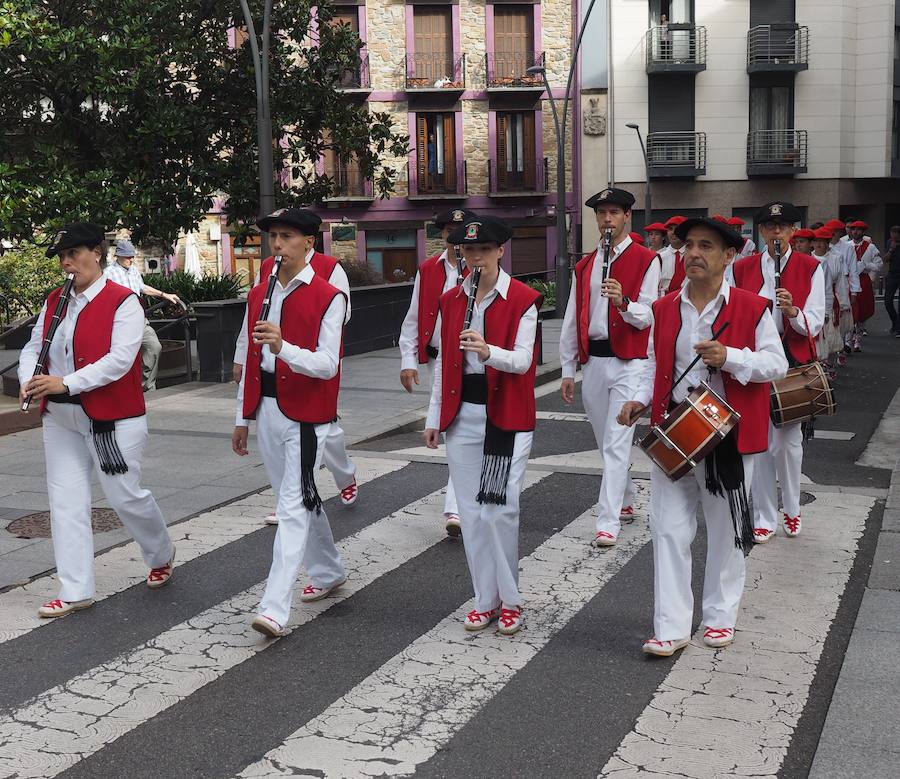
x=26, y=276
x=191, y=290
x=361, y=274
x=546, y=288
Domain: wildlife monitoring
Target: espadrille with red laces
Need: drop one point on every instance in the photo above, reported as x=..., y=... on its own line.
x=791, y=526
x=59, y=608
x=349, y=494
x=312, y=593
x=510, y=620
x=716, y=637
x=479, y=620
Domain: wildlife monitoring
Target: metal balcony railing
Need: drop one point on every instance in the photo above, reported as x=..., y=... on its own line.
x=675, y=47
x=450, y=182
x=776, y=152
x=507, y=70
x=349, y=182
x=356, y=78
x=777, y=47
x=508, y=179
x=676, y=154
x=435, y=71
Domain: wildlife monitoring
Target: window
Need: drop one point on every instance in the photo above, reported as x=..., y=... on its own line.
x=516, y=169
x=436, y=153
x=514, y=50
x=771, y=122
x=433, y=42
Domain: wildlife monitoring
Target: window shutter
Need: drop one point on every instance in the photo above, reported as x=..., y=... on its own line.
x=528, y=155
x=422, y=151
x=502, y=151
x=449, y=153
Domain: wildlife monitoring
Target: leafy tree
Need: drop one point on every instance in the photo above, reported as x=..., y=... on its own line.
x=136, y=113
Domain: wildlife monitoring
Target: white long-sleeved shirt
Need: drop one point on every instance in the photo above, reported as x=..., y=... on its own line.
x=870, y=262
x=844, y=247
x=409, y=330
x=322, y=363
x=127, y=332
x=515, y=360
x=337, y=279
x=814, y=308
x=639, y=313
x=766, y=362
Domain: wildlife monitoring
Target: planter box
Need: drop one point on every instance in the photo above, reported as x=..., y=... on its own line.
x=218, y=325
x=376, y=316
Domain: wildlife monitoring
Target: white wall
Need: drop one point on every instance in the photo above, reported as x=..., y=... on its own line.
x=630, y=19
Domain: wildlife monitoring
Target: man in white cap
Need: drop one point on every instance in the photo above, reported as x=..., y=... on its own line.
x=123, y=271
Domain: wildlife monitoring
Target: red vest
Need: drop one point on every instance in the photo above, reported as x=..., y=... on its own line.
x=322, y=265
x=432, y=277
x=510, y=400
x=743, y=312
x=626, y=341
x=300, y=397
x=123, y=398
x=679, y=276
x=796, y=278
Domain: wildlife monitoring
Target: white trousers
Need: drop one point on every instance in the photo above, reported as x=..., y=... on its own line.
x=450, y=506
x=335, y=457
x=673, y=525
x=303, y=536
x=490, y=533
x=71, y=459
x=783, y=460
x=606, y=384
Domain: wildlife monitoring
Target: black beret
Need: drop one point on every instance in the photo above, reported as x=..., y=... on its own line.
x=779, y=211
x=481, y=229
x=619, y=197
x=302, y=219
x=731, y=238
x=77, y=234
x=453, y=217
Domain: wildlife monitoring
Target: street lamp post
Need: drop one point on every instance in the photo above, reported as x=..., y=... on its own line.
x=648, y=203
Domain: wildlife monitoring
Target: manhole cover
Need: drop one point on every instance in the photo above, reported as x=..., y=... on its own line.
x=38, y=525
x=806, y=497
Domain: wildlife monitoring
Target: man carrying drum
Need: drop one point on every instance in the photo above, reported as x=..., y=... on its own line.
x=738, y=365
x=795, y=283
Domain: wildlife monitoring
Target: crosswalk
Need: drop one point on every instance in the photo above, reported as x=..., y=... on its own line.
x=381, y=680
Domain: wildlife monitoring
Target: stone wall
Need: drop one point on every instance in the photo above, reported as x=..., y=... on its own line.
x=386, y=44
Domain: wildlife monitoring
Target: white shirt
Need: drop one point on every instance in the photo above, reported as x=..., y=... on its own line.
x=127, y=332
x=844, y=248
x=766, y=363
x=814, y=309
x=128, y=277
x=337, y=279
x=409, y=330
x=638, y=314
x=515, y=360
x=871, y=261
x=320, y=364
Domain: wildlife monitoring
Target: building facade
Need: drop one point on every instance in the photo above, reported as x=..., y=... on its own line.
x=744, y=101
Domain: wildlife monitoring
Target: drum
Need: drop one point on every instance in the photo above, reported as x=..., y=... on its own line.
x=802, y=394
x=689, y=432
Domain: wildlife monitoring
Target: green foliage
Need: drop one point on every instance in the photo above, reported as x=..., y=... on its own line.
x=26, y=276
x=547, y=289
x=361, y=274
x=136, y=113
x=191, y=290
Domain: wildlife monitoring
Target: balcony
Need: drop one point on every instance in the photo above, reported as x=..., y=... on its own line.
x=435, y=73
x=776, y=152
x=505, y=71
x=349, y=185
x=356, y=81
x=451, y=183
x=777, y=48
x=676, y=154
x=676, y=48
x=531, y=181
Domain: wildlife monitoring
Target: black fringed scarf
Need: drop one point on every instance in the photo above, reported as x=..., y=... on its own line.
x=725, y=475
x=309, y=446
x=108, y=452
x=496, y=463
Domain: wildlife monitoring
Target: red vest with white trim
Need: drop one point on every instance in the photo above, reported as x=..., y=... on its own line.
x=432, y=277
x=796, y=278
x=92, y=339
x=510, y=396
x=742, y=312
x=322, y=264
x=629, y=269
x=300, y=397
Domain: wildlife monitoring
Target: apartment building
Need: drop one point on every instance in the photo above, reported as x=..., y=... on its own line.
x=744, y=101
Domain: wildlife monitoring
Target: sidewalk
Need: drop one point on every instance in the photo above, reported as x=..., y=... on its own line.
x=188, y=463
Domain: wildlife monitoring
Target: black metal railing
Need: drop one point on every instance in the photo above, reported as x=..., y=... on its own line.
x=778, y=46
x=349, y=181
x=776, y=151
x=452, y=181
x=510, y=178
x=508, y=69
x=435, y=71
x=356, y=78
x=676, y=153
x=677, y=45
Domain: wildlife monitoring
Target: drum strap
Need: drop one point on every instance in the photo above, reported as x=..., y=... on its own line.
x=725, y=475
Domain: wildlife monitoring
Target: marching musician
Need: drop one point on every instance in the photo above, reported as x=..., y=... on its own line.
x=838, y=319
x=605, y=329
x=799, y=313
x=483, y=398
x=93, y=417
x=738, y=365
x=420, y=334
x=868, y=262
x=747, y=247
x=671, y=274
x=290, y=386
x=656, y=236
x=307, y=222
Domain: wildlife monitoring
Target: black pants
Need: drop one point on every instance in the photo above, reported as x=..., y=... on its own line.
x=891, y=285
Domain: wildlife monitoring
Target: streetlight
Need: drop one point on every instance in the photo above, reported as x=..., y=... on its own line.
x=648, y=207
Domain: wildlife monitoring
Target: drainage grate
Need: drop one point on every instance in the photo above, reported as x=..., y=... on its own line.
x=38, y=525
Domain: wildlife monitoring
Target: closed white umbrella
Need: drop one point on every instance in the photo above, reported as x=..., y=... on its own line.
x=192, y=257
